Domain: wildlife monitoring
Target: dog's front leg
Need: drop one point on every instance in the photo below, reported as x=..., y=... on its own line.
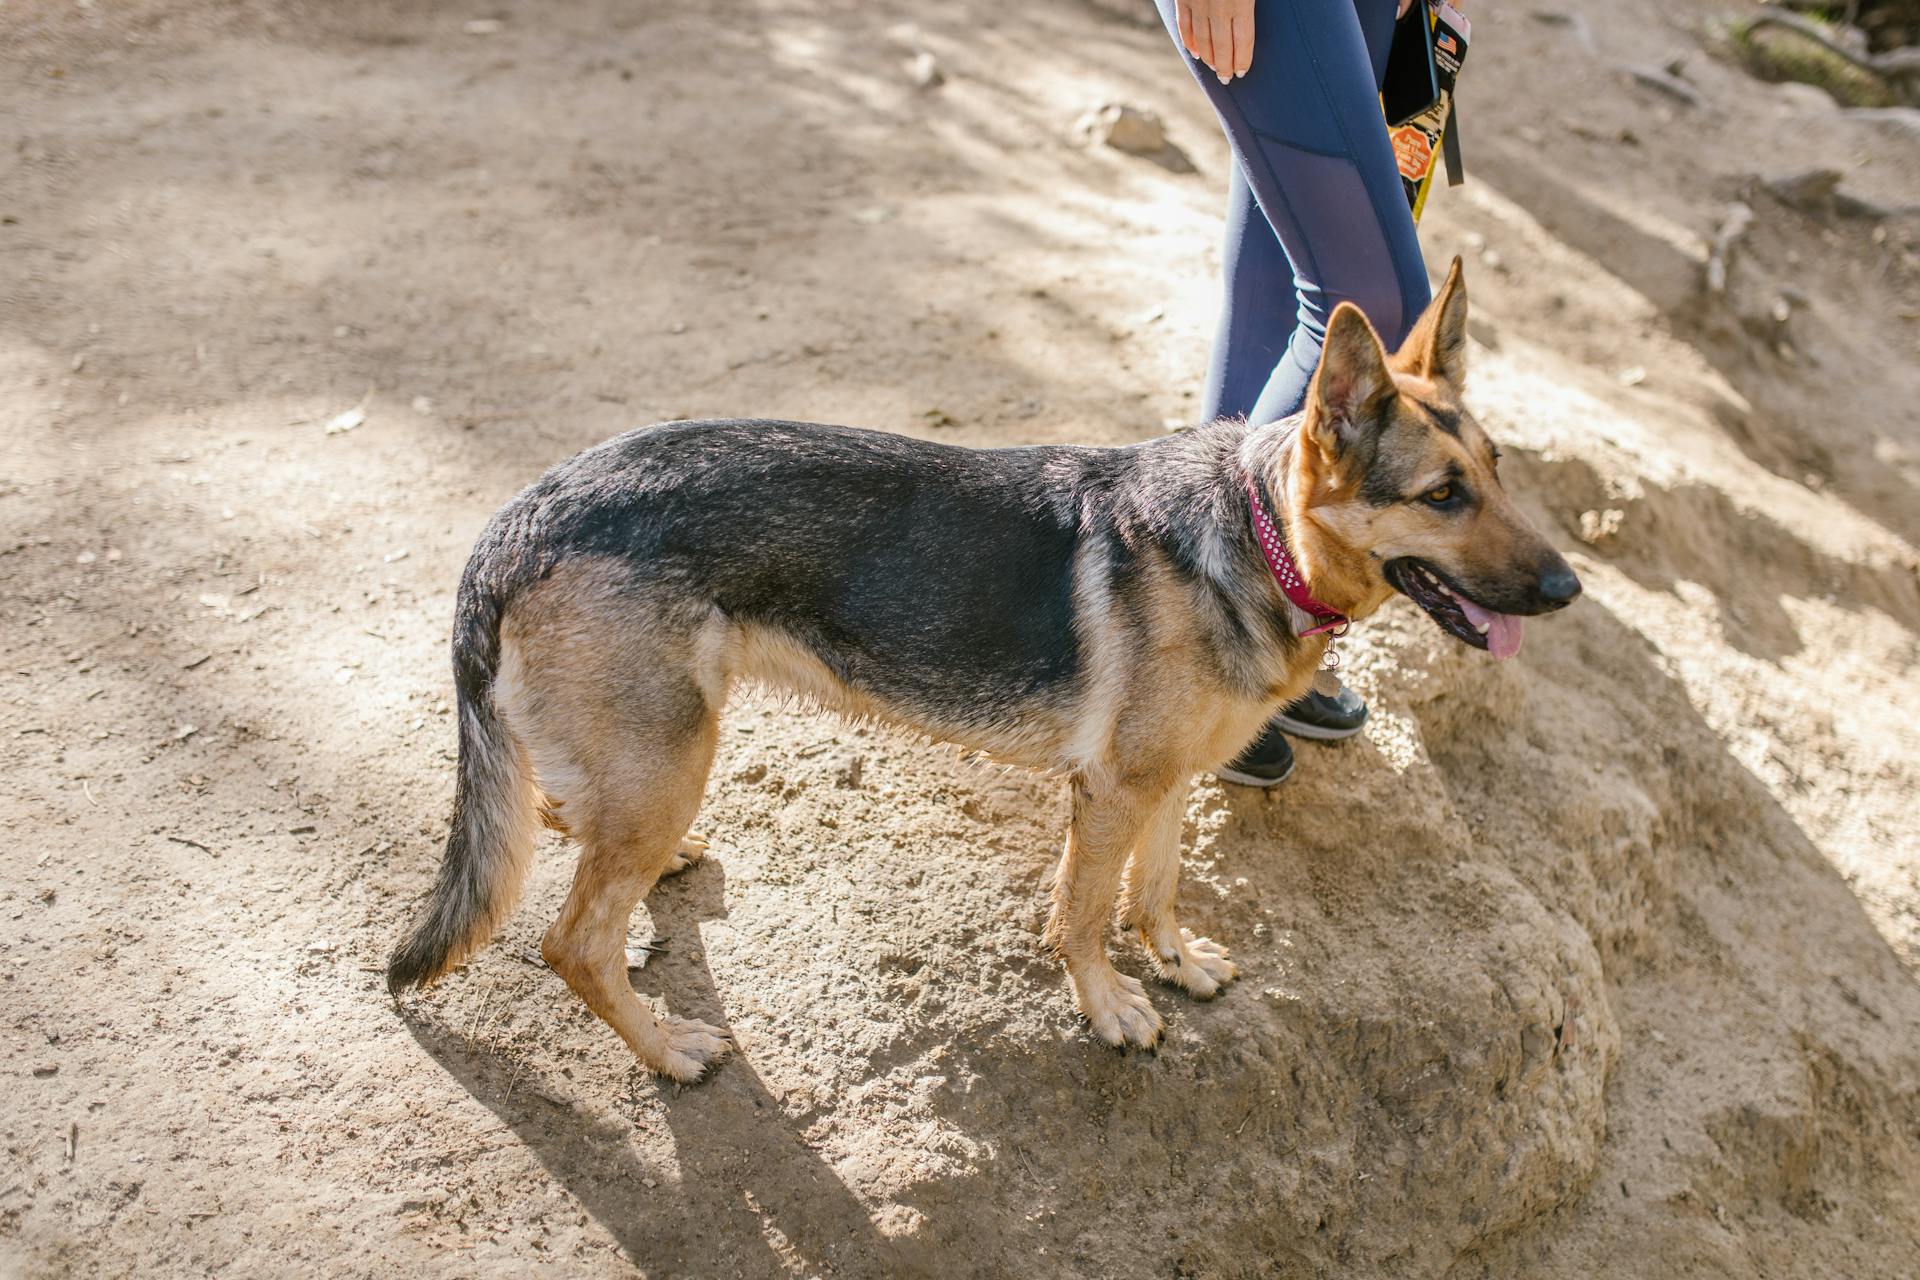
x=1108, y=818
x=1153, y=876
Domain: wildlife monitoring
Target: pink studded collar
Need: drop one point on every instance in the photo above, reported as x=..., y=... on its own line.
x=1287, y=573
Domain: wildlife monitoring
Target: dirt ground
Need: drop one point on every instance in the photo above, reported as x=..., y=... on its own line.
x=1602, y=962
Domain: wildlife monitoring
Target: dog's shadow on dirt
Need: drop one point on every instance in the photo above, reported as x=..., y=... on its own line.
x=748, y=1182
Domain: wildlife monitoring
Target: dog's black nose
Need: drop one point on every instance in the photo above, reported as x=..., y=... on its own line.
x=1558, y=586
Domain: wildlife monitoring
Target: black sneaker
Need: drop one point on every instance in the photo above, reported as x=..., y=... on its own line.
x=1264, y=764
x=1322, y=718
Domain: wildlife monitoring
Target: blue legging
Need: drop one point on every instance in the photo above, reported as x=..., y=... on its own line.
x=1316, y=214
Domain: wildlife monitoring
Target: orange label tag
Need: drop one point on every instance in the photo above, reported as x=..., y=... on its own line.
x=1413, y=152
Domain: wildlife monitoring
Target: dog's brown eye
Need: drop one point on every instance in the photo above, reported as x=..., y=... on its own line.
x=1439, y=497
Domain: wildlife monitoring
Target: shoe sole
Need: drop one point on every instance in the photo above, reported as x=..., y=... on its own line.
x=1317, y=732
x=1248, y=780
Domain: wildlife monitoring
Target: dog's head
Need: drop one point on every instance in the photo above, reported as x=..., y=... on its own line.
x=1395, y=487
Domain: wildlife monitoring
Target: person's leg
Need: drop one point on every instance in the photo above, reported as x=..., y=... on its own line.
x=1258, y=305
x=1273, y=312
x=1314, y=165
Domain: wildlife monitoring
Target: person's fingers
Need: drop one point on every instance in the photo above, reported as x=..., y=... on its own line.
x=1220, y=26
x=1243, y=39
x=1183, y=11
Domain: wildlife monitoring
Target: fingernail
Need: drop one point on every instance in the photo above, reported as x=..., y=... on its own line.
x=1224, y=78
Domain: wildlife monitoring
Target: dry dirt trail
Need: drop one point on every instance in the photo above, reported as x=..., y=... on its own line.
x=1602, y=962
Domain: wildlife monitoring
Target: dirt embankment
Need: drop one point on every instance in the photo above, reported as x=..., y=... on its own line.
x=1600, y=962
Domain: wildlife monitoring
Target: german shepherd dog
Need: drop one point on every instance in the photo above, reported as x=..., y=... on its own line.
x=1103, y=614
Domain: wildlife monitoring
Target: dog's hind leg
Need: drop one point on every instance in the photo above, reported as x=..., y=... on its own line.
x=1153, y=876
x=616, y=693
x=635, y=816
x=1107, y=818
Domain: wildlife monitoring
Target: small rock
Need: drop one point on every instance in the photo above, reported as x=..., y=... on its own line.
x=923, y=70
x=1133, y=130
x=1809, y=190
x=1597, y=526
x=431, y=1198
x=483, y=27
x=423, y=405
x=1123, y=128
x=1632, y=376
x=346, y=420
x=1573, y=22
x=1665, y=82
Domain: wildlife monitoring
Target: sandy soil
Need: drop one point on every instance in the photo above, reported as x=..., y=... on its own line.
x=1599, y=963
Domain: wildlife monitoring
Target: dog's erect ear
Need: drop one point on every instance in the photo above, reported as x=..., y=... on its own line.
x=1437, y=347
x=1350, y=387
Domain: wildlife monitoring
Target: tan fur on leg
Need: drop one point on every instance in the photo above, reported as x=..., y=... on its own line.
x=618, y=708
x=628, y=849
x=1153, y=876
x=1107, y=818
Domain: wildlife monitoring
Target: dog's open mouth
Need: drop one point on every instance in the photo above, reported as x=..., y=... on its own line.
x=1497, y=633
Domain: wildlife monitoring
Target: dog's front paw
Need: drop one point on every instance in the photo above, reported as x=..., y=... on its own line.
x=1117, y=1008
x=1198, y=964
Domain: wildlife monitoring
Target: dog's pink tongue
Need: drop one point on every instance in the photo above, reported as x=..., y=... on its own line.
x=1503, y=629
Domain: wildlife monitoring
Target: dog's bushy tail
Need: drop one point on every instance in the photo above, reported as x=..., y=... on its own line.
x=490, y=844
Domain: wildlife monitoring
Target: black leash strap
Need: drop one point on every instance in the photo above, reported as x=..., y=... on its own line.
x=1450, y=149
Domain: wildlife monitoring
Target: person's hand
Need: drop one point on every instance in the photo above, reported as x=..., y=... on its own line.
x=1218, y=33
x=1405, y=5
